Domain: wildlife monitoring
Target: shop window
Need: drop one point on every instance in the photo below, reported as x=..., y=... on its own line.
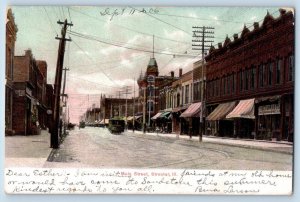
x=278, y=71
x=291, y=65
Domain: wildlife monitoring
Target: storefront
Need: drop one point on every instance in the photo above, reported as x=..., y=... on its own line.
x=217, y=122
x=190, y=119
x=275, y=118
x=176, y=120
x=243, y=119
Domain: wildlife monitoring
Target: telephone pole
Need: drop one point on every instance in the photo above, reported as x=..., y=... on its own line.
x=57, y=85
x=126, y=92
x=204, y=33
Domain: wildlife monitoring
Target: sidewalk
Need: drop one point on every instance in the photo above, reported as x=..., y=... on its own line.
x=27, y=151
x=279, y=146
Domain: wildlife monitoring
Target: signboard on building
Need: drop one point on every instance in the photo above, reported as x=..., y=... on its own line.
x=269, y=109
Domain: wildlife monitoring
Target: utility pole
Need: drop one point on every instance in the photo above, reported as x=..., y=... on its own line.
x=57, y=85
x=64, y=99
x=205, y=34
x=126, y=92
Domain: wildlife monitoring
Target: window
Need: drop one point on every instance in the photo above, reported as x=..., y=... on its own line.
x=270, y=73
x=278, y=71
x=233, y=82
x=252, y=77
x=150, y=79
x=151, y=91
x=291, y=65
x=241, y=81
x=261, y=75
x=150, y=106
x=187, y=92
x=197, y=91
x=182, y=95
x=246, y=79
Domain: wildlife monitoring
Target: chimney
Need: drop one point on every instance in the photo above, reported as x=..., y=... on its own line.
x=235, y=36
x=172, y=74
x=219, y=45
x=256, y=25
x=282, y=11
x=28, y=52
x=180, y=72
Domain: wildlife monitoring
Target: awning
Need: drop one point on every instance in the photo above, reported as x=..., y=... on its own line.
x=245, y=109
x=164, y=115
x=178, y=109
x=221, y=111
x=192, y=111
x=156, y=116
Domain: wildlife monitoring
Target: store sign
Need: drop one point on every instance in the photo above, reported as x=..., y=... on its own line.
x=269, y=109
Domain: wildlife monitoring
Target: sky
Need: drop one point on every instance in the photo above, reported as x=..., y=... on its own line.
x=111, y=46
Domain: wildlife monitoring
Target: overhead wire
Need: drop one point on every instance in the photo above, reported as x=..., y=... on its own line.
x=51, y=25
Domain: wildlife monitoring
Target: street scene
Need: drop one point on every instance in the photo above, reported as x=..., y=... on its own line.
x=150, y=87
x=98, y=148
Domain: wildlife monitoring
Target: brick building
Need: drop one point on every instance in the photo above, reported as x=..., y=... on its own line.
x=29, y=107
x=11, y=36
x=250, y=81
x=149, y=86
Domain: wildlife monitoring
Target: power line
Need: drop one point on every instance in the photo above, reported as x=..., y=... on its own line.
x=69, y=14
x=51, y=25
x=92, y=60
x=162, y=21
x=108, y=43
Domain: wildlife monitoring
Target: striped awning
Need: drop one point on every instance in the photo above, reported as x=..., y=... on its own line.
x=192, y=111
x=245, y=109
x=156, y=116
x=221, y=111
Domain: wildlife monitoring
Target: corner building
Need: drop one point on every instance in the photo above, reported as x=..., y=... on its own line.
x=250, y=82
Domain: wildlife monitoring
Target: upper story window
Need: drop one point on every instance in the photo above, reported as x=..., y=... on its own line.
x=187, y=93
x=270, y=73
x=261, y=75
x=150, y=79
x=252, y=77
x=151, y=91
x=278, y=71
x=291, y=66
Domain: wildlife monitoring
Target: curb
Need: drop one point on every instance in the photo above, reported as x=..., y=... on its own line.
x=277, y=150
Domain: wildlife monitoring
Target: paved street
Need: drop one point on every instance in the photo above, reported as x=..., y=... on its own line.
x=96, y=147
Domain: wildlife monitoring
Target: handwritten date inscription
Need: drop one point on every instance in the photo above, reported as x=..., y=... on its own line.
x=120, y=181
x=114, y=12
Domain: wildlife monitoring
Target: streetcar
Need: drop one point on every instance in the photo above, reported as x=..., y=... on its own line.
x=116, y=125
